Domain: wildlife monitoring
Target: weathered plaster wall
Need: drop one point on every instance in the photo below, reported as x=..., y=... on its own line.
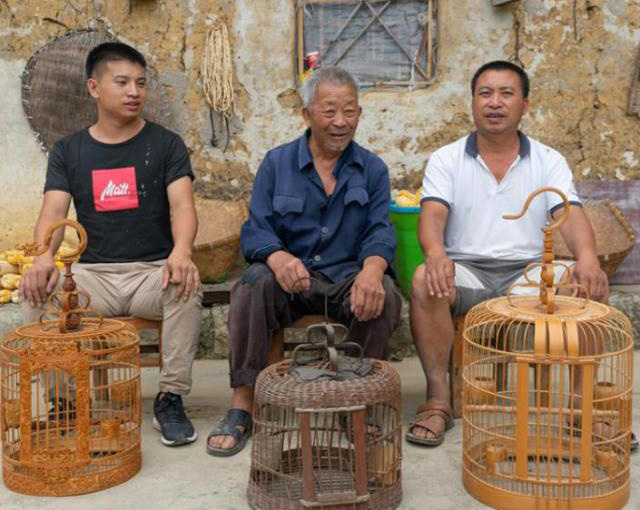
x=21, y=160
x=580, y=55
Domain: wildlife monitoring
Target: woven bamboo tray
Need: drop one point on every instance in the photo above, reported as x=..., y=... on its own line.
x=614, y=236
x=54, y=88
x=217, y=244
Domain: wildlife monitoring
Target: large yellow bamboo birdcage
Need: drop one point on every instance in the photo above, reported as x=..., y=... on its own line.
x=327, y=434
x=69, y=398
x=547, y=398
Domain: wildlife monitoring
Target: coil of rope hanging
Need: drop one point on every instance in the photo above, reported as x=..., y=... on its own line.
x=217, y=76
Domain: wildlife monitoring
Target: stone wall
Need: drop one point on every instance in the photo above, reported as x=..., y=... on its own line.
x=580, y=54
x=214, y=335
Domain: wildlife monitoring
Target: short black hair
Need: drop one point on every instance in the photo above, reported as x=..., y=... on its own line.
x=110, y=51
x=502, y=65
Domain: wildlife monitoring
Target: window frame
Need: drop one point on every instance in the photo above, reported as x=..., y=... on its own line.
x=428, y=43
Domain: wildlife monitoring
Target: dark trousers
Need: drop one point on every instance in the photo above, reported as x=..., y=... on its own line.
x=259, y=307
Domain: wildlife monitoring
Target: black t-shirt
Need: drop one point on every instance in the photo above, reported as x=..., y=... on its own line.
x=120, y=191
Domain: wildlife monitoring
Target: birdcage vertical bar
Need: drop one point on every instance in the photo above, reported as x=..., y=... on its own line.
x=522, y=419
x=587, y=422
x=82, y=407
x=359, y=434
x=25, y=409
x=308, y=489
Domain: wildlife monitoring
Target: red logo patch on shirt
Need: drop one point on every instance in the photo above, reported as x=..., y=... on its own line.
x=115, y=189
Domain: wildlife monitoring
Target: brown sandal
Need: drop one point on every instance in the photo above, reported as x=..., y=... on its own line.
x=425, y=412
x=599, y=424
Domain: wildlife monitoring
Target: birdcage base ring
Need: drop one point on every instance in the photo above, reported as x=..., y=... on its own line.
x=506, y=500
x=266, y=492
x=19, y=479
x=259, y=499
x=553, y=485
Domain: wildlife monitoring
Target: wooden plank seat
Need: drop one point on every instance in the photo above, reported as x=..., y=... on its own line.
x=456, y=363
x=279, y=347
x=138, y=323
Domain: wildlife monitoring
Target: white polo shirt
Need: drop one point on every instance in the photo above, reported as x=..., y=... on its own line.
x=457, y=177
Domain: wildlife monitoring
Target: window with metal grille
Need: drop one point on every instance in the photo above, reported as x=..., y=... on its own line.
x=381, y=42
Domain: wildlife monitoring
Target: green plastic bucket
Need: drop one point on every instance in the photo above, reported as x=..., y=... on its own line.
x=408, y=253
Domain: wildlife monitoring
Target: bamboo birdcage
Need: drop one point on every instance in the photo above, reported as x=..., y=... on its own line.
x=547, y=384
x=70, y=397
x=329, y=442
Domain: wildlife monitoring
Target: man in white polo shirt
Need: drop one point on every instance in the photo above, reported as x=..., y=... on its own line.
x=472, y=253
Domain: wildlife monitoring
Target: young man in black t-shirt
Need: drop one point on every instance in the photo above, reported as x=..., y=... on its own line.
x=130, y=182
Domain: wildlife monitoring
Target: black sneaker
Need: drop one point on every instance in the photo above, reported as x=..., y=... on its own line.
x=61, y=410
x=170, y=419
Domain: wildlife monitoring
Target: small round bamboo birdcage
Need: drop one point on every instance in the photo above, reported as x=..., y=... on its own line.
x=70, y=398
x=324, y=439
x=547, y=384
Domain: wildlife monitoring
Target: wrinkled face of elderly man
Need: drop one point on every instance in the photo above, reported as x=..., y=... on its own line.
x=333, y=116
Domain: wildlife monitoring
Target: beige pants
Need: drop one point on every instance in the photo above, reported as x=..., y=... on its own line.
x=135, y=289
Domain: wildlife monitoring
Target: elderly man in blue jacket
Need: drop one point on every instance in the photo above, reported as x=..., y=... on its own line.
x=319, y=208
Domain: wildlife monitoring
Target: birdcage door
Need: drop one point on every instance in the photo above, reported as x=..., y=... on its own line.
x=334, y=472
x=56, y=374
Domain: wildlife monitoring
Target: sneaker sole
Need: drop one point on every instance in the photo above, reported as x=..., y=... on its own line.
x=167, y=442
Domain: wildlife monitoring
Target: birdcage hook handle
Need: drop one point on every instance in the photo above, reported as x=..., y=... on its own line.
x=317, y=280
x=534, y=194
x=332, y=352
x=35, y=250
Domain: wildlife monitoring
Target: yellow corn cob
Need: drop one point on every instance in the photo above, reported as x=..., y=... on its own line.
x=5, y=296
x=10, y=281
x=406, y=198
x=15, y=257
x=404, y=201
x=64, y=251
x=6, y=268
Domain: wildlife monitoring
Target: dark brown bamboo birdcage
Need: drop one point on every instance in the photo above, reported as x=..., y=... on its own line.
x=70, y=398
x=547, y=384
x=327, y=443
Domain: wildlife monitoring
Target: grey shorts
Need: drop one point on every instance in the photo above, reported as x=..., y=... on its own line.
x=481, y=279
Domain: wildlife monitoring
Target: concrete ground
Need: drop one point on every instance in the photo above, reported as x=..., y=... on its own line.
x=188, y=478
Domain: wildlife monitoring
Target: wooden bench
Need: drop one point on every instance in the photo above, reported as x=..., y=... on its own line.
x=139, y=324
x=500, y=370
x=455, y=367
x=220, y=293
x=279, y=346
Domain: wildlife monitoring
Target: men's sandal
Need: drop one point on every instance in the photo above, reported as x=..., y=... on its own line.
x=633, y=444
x=229, y=427
x=425, y=412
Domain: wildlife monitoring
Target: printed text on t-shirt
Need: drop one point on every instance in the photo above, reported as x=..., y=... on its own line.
x=115, y=189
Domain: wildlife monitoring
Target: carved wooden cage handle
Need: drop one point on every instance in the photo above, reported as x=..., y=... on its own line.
x=35, y=249
x=66, y=304
x=547, y=267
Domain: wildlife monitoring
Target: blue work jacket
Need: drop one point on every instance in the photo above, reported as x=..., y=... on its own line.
x=333, y=234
